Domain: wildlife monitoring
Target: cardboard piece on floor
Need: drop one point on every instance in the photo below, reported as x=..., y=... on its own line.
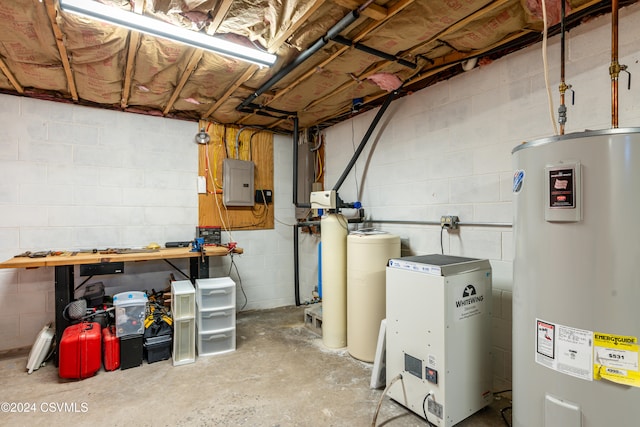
x=379, y=372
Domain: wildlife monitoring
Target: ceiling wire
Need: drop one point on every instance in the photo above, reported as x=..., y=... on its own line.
x=546, y=68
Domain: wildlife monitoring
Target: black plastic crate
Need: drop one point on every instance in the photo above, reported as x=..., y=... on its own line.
x=158, y=348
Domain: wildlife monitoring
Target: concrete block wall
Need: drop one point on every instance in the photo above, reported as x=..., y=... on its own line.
x=74, y=177
x=446, y=150
x=80, y=178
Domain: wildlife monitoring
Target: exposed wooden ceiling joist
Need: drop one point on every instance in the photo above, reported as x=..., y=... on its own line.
x=195, y=58
x=243, y=78
x=7, y=72
x=277, y=42
x=134, y=43
x=221, y=12
x=64, y=57
x=372, y=11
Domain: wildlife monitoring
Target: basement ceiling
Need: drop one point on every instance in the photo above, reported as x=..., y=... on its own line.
x=50, y=54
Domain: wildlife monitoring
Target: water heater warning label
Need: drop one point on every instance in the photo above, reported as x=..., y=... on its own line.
x=565, y=349
x=546, y=342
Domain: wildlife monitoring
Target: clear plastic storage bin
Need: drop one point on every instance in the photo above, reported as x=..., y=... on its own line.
x=183, y=303
x=213, y=293
x=213, y=320
x=131, y=310
x=218, y=342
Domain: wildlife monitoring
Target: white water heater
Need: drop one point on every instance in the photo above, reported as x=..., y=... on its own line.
x=576, y=320
x=439, y=336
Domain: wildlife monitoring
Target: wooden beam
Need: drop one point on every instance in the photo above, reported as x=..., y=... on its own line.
x=7, y=72
x=221, y=12
x=372, y=11
x=62, y=50
x=459, y=24
x=243, y=78
x=134, y=42
x=195, y=58
x=276, y=123
x=275, y=44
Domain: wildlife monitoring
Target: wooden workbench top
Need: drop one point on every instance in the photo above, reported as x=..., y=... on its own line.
x=90, y=258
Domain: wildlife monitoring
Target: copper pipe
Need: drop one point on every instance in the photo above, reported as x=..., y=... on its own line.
x=615, y=66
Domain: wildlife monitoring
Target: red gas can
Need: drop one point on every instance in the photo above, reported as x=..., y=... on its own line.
x=80, y=350
x=110, y=349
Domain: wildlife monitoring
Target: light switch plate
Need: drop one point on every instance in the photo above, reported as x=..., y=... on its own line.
x=202, y=185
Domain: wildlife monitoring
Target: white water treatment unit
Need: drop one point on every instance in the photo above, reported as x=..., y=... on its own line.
x=439, y=336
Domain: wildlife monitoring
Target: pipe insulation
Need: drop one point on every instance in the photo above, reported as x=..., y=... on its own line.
x=334, y=276
x=367, y=257
x=341, y=25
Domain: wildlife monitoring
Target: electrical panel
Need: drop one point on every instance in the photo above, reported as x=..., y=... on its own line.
x=439, y=335
x=237, y=182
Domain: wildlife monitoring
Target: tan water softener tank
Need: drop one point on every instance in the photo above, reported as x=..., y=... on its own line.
x=367, y=255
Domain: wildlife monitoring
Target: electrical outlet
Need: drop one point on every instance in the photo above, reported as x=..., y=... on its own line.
x=449, y=221
x=263, y=196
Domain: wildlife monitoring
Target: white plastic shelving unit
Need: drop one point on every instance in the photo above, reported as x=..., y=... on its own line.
x=216, y=316
x=183, y=309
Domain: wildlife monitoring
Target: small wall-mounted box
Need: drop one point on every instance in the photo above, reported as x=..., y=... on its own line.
x=264, y=196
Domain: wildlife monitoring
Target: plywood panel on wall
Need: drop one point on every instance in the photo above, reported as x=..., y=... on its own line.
x=254, y=145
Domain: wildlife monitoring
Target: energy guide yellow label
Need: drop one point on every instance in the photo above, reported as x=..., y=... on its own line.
x=615, y=359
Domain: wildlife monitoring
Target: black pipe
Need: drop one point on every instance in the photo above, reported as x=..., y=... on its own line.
x=295, y=161
x=374, y=52
x=296, y=267
x=333, y=32
x=273, y=110
x=366, y=137
x=263, y=113
x=273, y=116
x=296, y=257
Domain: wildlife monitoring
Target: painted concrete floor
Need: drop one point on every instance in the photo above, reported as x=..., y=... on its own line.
x=280, y=375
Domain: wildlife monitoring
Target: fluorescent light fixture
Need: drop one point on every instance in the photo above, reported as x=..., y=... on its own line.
x=165, y=30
